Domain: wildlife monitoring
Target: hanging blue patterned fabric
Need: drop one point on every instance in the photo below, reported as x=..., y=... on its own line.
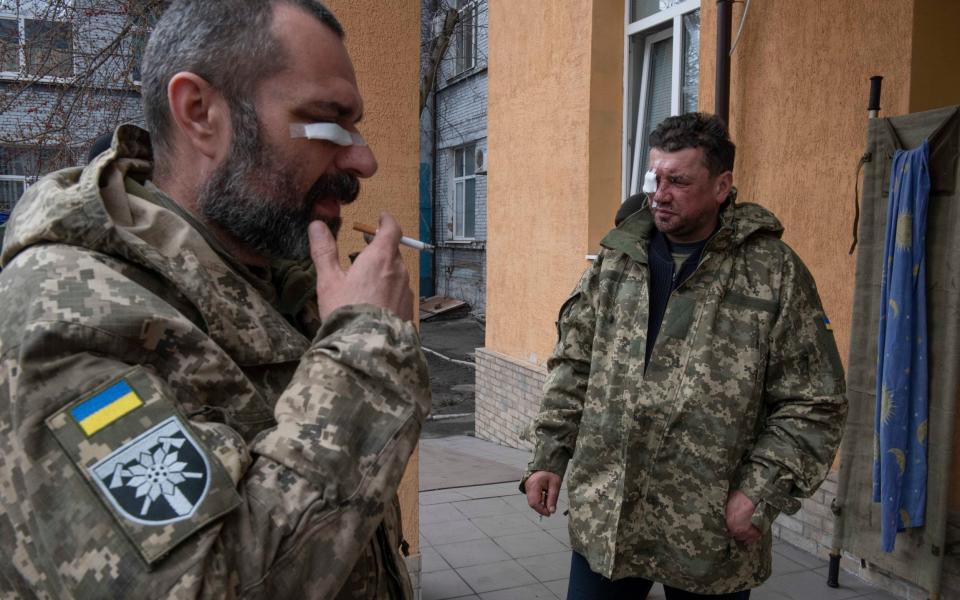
x=900, y=450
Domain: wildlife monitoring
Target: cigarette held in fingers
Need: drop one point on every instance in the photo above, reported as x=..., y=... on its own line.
x=404, y=241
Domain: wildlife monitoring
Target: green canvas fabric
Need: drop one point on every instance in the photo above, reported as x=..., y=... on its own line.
x=919, y=553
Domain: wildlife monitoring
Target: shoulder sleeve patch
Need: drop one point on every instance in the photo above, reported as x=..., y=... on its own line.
x=144, y=462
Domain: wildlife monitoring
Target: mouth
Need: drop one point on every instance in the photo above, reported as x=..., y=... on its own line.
x=325, y=208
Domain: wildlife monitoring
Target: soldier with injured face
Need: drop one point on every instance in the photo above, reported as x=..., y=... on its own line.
x=695, y=391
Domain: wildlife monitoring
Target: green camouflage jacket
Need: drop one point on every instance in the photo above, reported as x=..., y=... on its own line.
x=165, y=432
x=744, y=391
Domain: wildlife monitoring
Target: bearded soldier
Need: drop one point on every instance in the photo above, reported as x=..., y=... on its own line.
x=187, y=409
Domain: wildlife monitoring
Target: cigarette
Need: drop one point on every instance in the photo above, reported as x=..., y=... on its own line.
x=404, y=241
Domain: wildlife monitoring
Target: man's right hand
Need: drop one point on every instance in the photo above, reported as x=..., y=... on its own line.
x=543, y=487
x=377, y=277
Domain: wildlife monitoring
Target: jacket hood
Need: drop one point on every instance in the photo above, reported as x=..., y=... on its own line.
x=70, y=206
x=110, y=208
x=738, y=223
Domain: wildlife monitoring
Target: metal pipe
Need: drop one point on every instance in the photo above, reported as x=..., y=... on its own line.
x=722, y=91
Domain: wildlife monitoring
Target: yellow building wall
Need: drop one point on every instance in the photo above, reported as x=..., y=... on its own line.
x=936, y=50
x=384, y=43
x=554, y=127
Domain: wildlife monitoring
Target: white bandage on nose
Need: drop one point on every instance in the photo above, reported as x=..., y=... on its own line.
x=650, y=182
x=330, y=132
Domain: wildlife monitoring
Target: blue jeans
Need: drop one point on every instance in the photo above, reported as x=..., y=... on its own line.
x=587, y=585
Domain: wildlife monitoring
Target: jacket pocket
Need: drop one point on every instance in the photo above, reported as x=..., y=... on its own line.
x=694, y=535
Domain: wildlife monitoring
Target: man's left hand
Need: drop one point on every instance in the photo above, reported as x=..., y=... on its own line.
x=738, y=512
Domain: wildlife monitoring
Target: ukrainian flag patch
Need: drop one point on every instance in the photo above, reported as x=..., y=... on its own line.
x=105, y=407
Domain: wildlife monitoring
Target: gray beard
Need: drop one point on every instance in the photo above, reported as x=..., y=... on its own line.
x=265, y=217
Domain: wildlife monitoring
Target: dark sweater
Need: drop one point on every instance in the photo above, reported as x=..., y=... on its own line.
x=664, y=278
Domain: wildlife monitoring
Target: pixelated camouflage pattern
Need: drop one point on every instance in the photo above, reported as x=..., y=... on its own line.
x=314, y=425
x=744, y=391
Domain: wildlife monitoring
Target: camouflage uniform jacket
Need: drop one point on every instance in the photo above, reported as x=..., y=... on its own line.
x=166, y=432
x=744, y=391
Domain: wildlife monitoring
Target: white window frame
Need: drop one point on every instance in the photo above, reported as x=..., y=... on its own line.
x=472, y=7
x=673, y=16
x=21, y=71
x=459, y=209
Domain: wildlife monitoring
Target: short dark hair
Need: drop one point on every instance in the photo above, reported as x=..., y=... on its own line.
x=227, y=42
x=697, y=130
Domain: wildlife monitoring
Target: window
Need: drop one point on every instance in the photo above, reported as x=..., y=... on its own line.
x=47, y=47
x=11, y=188
x=138, y=43
x=465, y=37
x=143, y=16
x=465, y=192
x=13, y=180
x=9, y=45
x=22, y=165
x=663, y=71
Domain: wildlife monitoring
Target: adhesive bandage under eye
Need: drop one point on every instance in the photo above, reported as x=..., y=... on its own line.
x=330, y=132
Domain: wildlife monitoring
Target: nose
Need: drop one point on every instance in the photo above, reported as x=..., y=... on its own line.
x=661, y=194
x=357, y=160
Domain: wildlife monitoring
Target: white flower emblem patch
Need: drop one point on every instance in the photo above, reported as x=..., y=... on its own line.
x=159, y=477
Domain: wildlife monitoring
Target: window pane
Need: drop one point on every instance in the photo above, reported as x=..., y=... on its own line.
x=690, y=84
x=48, y=48
x=658, y=92
x=470, y=158
x=458, y=211
x=470, y=209
x=9, y=40
x=458, y=162
x=466, y=39
x=17, y=161
x=640, y=9
x=138, y=43
x=10, y=192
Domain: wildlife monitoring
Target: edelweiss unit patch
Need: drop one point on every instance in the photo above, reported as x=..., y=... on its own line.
x=157, y=476
x=160, y=477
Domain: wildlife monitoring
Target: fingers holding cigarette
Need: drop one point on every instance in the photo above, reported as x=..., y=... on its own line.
x=377, y=277
x=369, y=230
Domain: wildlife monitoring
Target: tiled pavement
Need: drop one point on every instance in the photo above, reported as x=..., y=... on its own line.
x=482, y=541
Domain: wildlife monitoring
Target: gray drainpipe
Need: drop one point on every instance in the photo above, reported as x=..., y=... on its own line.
x=724, y=25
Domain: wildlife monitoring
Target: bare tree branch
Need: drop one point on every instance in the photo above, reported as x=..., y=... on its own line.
x=439, y=45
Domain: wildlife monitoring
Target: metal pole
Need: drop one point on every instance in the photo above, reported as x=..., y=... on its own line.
x=833, y=572
x=722, y=92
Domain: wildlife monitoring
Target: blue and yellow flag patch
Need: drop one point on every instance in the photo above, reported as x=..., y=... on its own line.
x=105, y=407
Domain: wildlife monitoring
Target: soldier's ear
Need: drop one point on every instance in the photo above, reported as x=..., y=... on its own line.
x=723, y=183
x=200, y=115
